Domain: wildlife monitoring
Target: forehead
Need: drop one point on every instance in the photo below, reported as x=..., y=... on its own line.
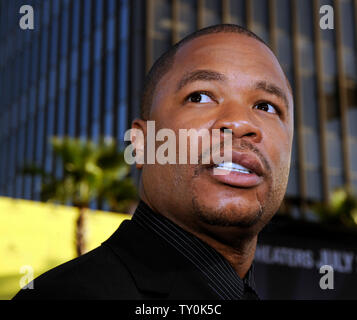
x=241, y=58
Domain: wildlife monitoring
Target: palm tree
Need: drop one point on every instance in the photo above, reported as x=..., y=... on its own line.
x=340, y=209
x=90, y=171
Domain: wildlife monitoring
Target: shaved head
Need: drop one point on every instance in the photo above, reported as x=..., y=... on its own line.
x=165, y=62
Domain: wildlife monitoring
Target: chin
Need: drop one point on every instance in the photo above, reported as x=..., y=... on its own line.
x=228, y=212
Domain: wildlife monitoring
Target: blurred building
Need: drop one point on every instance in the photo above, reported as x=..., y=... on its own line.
x=80, y=73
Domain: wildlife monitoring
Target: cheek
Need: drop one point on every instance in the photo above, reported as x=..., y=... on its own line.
x=279, y=148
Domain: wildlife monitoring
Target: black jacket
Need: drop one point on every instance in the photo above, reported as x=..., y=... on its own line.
x=132, y=264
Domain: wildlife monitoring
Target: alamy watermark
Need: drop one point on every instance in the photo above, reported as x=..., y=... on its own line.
x=327, y=18
x=26, y=281
x=164, y=147
x=327, y=280
x=27, y=20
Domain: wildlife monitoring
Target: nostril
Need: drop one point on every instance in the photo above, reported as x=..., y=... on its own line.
x=250, y=134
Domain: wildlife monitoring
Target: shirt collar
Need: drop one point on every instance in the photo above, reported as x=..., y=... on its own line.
x=221, y=276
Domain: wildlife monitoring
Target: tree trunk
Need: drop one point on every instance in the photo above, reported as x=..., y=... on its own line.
x=81, y=232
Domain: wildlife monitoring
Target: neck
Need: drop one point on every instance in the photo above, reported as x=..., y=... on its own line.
x=238, y=252
x=236, y=246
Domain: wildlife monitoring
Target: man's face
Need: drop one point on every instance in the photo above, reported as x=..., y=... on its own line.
x=224, y=81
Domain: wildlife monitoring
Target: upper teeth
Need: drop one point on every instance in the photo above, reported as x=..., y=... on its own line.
x=231, y=166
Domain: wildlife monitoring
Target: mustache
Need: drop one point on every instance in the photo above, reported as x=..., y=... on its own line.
x=237, y=145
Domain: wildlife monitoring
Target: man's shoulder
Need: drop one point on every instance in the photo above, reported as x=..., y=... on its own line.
x=133, y=263
x=98, y=274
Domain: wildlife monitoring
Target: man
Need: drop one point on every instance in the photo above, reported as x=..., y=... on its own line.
x=194, y=233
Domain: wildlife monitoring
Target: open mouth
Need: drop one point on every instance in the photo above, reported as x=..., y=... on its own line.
x=235, y=167
x=243, y=170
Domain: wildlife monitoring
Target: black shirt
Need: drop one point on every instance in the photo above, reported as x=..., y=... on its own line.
x=221, y=276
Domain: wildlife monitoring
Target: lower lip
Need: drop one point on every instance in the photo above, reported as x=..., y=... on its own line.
x=236, y=179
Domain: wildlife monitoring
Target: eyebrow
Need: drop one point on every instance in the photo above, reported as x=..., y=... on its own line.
x=210, y=75
x=272, y=89
x=200, y=75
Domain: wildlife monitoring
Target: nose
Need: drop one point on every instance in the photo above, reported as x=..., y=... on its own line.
x=240, y=121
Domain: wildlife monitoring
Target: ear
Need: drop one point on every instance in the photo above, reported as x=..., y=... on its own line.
x=138, y=138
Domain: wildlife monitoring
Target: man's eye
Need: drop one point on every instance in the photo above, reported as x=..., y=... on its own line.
x=267, y=107
x=199, y=97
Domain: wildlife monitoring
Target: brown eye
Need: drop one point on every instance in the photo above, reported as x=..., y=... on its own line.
x=267, y=107
x=199, y=97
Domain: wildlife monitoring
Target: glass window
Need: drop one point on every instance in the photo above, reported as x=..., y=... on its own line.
x=312, y=154
x=284, y=51
x=348, y=23
x=237, y=11
x=98, y=44
x=283, y=15
x=29, y=140
x=11, y=165
x=329, y=59
x=23, y=110
x=111, y=7
x=25, y=72
x=42, y=92
x=63, y=74
x=352, y=109
x=87, y=17
x=306, y=54
x=20, y=159
x=85, y=55
x=84, y=105
x=111, y=34
x=64, y=33
x=95, y=130
x=32, y=100
x=122, y=114
x=123, y=73
x=54, y=42
x=55, y=6
x=212, y=12
x=44, y=48
x=335, y=180
x=76, y=18
x=74, y=65
x=353, y=155
x=260, y=11
x=109, y=81
x=34, y=60
x=124, y=20
x=52, y=83
x=98, y=12
x=72, y=110
x=40, y=123
x=349, y=64
x=46, y=12
x=304, y=15
x=96, y=91
x=50, y=119
x=313, y=184
x=334, y=150
x=14, y=116
x=108, y=124
x=332, y=104
x=61, y=114
x=187, y=12
x=309, y=101
x=162, y=27
x=352, y=126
